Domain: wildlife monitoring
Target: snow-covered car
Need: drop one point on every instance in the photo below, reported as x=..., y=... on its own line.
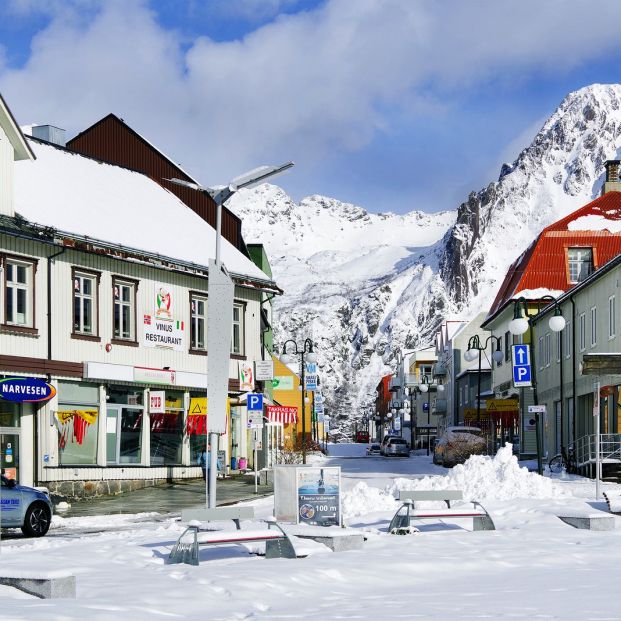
x=396, y=447
x=456, y=444
x=26, y=508
x=374, y=449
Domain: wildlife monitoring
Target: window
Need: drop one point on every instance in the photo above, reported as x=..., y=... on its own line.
x=124, y=310
x=582, y=328
x=568, y=337
x=424, y=371
x=84, y=303
x=508, y=344
x=548, y=350
x=580, y=263
x=19, y=293
x=167, y=431
x=198, y=325
x=593, y=326
x=499, y=348
x=612, y=322
x=558, y=346
x=237, y=345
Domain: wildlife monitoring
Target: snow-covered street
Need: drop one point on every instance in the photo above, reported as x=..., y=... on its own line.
x=533, y=566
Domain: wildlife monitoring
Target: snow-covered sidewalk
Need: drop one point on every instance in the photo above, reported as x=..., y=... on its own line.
x=532, y=566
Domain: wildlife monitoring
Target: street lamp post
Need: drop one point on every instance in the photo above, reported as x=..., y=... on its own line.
x=476, y=349
x=518, y=326
x=217, y=375
x=285, y=358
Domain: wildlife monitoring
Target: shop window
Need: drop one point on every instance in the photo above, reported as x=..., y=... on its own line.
x=198, y=325
x=124, y=294
x=124, y=422
x=238, y=345
x=77, y=420
x=580, y=263
x=9, y=414
x=196, y=427
x=19, y=293
x=167, y=431
x=85, y=303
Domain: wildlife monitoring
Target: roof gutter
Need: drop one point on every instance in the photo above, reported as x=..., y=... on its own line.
x=56, y=237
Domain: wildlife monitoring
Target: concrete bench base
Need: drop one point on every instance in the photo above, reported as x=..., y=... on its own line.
x=340, y=543
x=590, y=522
x=46, y=588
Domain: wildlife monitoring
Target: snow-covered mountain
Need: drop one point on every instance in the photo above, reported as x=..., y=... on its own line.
x=363, y=285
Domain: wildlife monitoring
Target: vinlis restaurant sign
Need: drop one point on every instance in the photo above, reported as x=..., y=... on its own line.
x=25, y=389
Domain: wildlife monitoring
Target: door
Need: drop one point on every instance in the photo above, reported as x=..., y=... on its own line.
x=9, y=455
x=11, y=502
x=123, y=434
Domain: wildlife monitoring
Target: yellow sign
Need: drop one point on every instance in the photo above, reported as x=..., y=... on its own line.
x=502, y=405
x=64, y=416
x=471, y=412
x=199, y=405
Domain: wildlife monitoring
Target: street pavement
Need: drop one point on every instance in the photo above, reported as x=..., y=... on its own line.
x=169, y=498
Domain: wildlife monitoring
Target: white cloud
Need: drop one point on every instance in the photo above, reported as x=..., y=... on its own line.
x=307, y=86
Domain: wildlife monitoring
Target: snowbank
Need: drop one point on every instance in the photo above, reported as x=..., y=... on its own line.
x=481, y=477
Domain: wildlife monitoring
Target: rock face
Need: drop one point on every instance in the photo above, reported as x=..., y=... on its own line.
x=363, y=285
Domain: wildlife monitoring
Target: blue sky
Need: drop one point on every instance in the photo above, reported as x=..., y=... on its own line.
x=391, y=104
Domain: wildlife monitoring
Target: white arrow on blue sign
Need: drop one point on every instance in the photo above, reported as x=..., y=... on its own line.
x=522, y=376
x=254, y=402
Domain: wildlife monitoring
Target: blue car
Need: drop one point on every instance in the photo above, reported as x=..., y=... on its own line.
x=24, y=507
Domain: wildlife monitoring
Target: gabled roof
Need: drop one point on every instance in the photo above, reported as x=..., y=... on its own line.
x=543, y=265
x=21, y=148
x=74, y=194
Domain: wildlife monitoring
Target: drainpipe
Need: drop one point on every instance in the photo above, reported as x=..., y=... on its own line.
x=573, y=366
x=49, y=301
x=560, y=353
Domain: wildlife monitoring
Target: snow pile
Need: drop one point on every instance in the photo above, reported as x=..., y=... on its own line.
x=363, y=499
x=494, y=478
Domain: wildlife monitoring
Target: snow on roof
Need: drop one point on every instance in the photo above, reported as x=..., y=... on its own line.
x=595, y=223
x=82, y=196
x=537, y=294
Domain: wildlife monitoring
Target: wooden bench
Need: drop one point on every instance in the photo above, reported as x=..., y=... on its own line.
x=186, y=550
x=400, y=523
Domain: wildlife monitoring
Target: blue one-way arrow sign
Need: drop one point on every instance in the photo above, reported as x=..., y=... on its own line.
x=521, y=365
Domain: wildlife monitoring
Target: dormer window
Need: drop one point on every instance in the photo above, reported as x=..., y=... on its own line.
x=580, y=263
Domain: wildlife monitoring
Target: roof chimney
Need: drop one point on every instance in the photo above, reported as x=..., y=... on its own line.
x=49, y=133
x=612, y=183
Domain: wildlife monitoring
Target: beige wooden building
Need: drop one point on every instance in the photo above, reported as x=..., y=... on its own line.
x=104, y=295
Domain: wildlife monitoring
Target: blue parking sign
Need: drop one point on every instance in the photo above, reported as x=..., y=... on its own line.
x=254, y=402
x=521, y=365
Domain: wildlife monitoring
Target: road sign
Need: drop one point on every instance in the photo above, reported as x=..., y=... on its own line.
x=521, y=365
x=502, y=405
x=254, y=402
x=255, y=420
x=536, y=409
x=264, y=370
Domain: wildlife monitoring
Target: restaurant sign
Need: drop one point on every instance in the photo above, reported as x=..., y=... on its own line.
x=25, y=389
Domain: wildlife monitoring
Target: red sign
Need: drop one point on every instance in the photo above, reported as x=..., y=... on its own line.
x=282, y=414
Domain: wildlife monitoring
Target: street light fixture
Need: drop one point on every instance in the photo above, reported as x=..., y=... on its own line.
x=476, y=349
x=311, y=357
x=217, y=378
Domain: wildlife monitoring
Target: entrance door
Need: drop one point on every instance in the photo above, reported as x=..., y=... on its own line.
x=9, y=455
x=123, y=434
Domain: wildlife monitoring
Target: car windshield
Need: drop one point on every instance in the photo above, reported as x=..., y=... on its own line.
x=397, y=441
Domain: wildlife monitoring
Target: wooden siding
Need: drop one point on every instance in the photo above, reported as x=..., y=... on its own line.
x=149, y=279
x=111, y=140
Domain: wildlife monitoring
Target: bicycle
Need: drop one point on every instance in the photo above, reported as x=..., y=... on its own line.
x=563, y=462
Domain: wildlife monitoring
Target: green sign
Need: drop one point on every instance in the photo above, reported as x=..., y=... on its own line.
x=282, y=382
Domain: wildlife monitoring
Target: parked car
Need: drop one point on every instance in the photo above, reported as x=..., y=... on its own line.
x=362, y=436
x=374, y=449
x=396, y=447
x=456, y=444
x=25, y=507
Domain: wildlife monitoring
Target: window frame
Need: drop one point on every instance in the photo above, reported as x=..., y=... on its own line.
x=203, y=297
x=582, y=331
x=569, y=335
x=240, y=355
x=133, y=340
x=540, y=353
x=570, y=261
x=548, y=349
x=612, y=320
x=508, y=343
x=32, y=264
x=593, y=326
x=96, y=277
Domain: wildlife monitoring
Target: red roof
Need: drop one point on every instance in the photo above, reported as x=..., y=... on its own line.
x=544, y=263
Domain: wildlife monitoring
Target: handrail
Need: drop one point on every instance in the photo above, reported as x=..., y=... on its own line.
x=609, y=445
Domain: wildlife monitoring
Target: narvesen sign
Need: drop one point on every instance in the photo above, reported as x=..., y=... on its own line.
x=25, y=389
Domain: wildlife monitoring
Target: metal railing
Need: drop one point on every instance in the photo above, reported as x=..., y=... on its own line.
x=609, y=448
